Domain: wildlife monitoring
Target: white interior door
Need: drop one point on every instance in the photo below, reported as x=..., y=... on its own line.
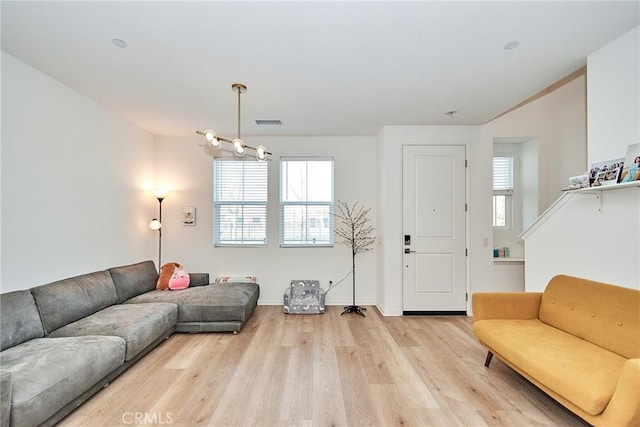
x=434, y=211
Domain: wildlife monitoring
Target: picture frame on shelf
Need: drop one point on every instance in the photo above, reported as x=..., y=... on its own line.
x=606, y=173
x=631, y=170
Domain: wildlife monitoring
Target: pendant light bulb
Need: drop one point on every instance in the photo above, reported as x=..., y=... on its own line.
x=212, y=138
x=261, y=153
x=238, y=147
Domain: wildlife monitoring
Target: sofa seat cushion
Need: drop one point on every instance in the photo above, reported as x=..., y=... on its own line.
x=577, y=370
x=48, y=373
x=138, y=324
x=214, y=303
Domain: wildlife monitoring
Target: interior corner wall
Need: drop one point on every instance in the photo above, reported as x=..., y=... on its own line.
x=557, y=123
x=75, y=182
x=380, y=222
x=187, y=170
x=614, y=97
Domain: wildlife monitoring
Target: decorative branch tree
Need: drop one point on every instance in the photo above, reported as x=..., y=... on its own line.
x=355, y=231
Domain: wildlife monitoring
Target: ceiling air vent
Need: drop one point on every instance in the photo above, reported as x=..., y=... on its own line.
x=269, y=122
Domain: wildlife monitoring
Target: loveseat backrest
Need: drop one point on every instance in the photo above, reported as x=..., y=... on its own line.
x=135, y=279
x=68, y=300
x=19, y=319
x=605, y=315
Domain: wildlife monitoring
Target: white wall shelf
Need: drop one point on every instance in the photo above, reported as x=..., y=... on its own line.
x=601, y=188
x=508, y=259
x=597, y=191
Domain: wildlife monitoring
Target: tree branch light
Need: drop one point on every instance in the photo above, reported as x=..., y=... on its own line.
x=239, y=147
x=355, y=231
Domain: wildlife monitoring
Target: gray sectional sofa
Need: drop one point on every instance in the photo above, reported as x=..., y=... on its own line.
x=63, y=341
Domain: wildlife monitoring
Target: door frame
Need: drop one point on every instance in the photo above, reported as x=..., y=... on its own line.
x=466, y=221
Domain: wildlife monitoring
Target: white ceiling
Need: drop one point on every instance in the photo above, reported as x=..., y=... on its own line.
x=323, y=68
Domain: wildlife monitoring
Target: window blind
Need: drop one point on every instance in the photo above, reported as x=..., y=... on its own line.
x=240, y=196
x=306, y=202
x=503, y=173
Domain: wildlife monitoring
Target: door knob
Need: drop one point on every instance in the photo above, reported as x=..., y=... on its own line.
x=408, y=251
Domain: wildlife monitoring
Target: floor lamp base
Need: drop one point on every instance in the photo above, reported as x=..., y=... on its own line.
x=354, y=309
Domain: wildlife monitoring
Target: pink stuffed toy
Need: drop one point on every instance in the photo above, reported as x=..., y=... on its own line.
x=179, y=280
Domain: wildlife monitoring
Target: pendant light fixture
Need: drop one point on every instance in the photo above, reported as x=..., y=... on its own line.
x=239, y=147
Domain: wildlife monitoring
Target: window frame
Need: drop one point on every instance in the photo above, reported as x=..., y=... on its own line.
x=217, y=204
x=307, y=203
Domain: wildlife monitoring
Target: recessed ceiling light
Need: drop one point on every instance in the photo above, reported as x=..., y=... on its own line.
x=511, y=45
x=120, y=43
x=451, y=113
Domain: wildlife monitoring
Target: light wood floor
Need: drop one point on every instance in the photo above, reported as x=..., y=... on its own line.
x=323, y=370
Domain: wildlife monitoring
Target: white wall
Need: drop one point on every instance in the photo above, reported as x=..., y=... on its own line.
x=614, y=97
x=186, y=169
x=73, y=182
x=595, y=235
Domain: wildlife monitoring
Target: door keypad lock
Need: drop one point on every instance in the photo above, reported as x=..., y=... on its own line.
x=407, y=239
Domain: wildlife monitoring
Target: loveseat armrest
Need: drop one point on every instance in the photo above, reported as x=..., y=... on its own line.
x=198, y=279
x=506, y=305
x=624, y=407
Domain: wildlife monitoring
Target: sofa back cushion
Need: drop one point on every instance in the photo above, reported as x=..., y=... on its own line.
x=605, y=315
x=68, y=300
x=133, y=280
x=19, y=319
x=198, y=279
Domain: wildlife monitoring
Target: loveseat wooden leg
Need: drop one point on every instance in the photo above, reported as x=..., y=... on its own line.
x=488, y=359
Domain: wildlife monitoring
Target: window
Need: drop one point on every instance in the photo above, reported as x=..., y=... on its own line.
x=306, y=202
x=502, y=191
x=240, y=203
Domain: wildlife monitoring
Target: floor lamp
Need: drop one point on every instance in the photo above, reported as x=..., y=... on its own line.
x=156, y=224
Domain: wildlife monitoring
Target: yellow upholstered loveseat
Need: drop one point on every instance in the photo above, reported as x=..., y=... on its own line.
x=578, y=341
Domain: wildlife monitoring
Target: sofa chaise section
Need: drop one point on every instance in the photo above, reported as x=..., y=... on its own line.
x=213, y=308
x=202, y=307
